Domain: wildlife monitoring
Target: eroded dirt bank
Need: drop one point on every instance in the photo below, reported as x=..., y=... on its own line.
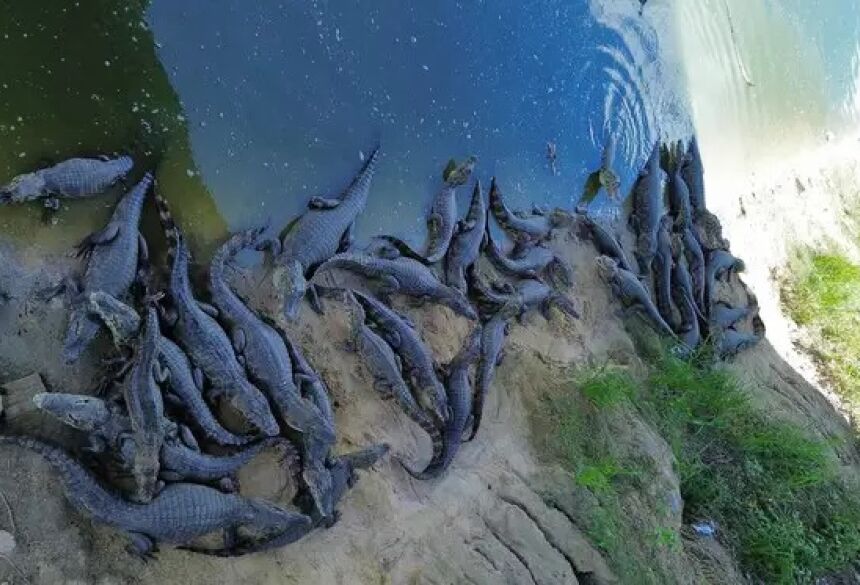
x=504, y=513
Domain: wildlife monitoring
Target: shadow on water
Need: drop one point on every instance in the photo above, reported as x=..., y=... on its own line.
x=83, y=78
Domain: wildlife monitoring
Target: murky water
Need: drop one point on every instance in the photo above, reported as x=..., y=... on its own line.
x=247, y=109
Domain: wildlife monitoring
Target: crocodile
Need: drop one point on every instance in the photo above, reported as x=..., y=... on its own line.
x=528, y=294
x=316, y=236
x=725, y=316
x=205, y=342
x=404, y=276
x=630, y=291
x=693, y=173
x=74, y=178
x=459, y=401
x=105, y=425
x=493, y=335
x=182, y=389
x=146, y=409
x=648, y=209
x=696, y=264
x=524, y=229
x=386, y=369
x=604, y=241
x=682, y=292
x=114, y=253
x=418, y=367
x=343, y=469
x=732, y=342
x=679, y=200
x=179, y=514
x=663, y=271
x=466, y=245
x=269, y=366
x=443, y=212
x=719, y=262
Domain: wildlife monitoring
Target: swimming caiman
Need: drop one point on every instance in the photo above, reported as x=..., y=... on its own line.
x=76, y=177
x=317, y=235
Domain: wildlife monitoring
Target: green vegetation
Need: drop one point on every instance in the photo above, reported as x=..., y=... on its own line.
x=771, y=489
x=823, y=295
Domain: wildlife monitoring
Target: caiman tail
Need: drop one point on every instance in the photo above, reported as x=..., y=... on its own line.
x=168, y=224
x=239, y=241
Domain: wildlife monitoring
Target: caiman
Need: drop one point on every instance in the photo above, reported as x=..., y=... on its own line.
x=402, y=276
x=466, y=245
x=662, y=265
x=74, y=178
x=524, y=229
x=603, y=240
x=693, y=173
x=179, y=514
x=689, y=331
x=630, y=291
x=114, y=255
x=648, y=209
x=460, y=403
x=386, y=369
x=205, y=342
x=493, y=335
x=443, y=212
x=418, y=366
x=318, y=235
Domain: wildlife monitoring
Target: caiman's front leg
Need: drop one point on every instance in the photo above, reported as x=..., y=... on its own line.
x=319, y=202
x=104, y=236
x=347, y=239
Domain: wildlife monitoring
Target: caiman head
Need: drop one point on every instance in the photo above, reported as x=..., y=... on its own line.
x=83, y=328
x=251, y=403
x=142, y=460
x=269, y=520
x=23, y=188
x=606, y=267
x=458, y=303
x=85, y=413
x=289, y=280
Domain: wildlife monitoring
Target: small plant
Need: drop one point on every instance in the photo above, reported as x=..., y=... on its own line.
x=607, y=386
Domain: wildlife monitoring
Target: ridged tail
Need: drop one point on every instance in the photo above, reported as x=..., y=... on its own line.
x=168, y=225
x=237, y=242
x=497, y=207
x=404, y=249
x=361, y=181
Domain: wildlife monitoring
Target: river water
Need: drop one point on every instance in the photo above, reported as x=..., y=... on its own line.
x=249, y=108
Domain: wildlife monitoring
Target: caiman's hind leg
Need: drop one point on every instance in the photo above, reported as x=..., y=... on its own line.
x=67, y=287
x=141, y=546
x=104, y=236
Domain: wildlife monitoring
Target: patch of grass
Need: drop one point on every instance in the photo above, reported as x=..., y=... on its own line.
x=770, y=488
x=606, y=387
x=823, y=294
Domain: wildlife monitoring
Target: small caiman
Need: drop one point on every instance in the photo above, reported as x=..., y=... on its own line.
x=528, y=294
x=648, y=209
x=318, y=235
x=493, y=336
x=179, y=514
x=725, y=316
x=663, y=270
x=696, y=263
x=443, y=212
x=146, y=409
x=402, y=276
x=630, y=291
x=604, y=241
x=182, y=388
x=682, y=292
x=719, y=263
x=679, y=200
x=114, y=254
x=466, y=245
x=530, y=263
x=311, y=384
x=693, y=172
x=732, y=342
x=459, y=401
x=76, y=178
x=418, y=367
x=205, y=341
x=386, y=369
x=522, y=228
